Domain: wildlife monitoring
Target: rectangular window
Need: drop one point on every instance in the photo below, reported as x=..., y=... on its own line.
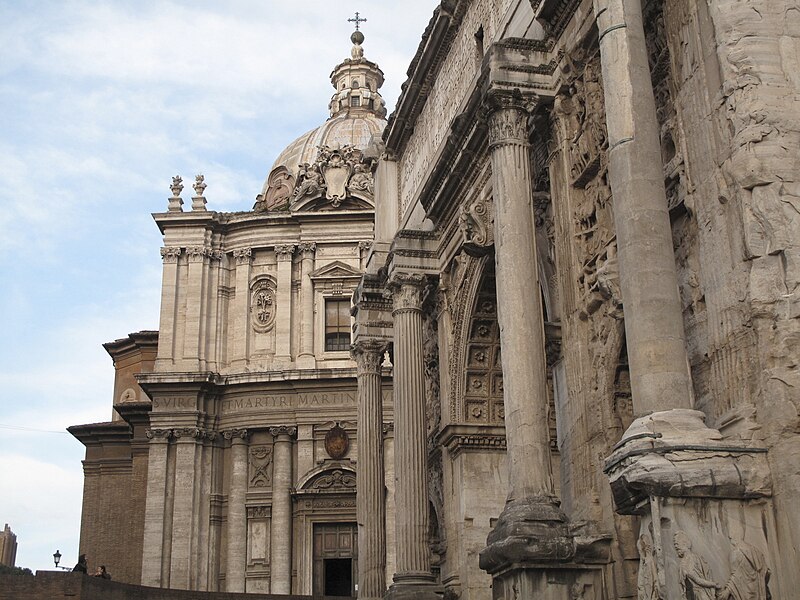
x=355, y=100
x=337, y=325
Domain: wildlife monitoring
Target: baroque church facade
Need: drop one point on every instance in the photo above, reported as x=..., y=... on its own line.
x=534, y=336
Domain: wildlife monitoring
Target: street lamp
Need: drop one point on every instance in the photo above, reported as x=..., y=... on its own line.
x=57, y=558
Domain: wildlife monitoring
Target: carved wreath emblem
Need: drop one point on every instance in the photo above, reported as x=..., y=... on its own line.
x=262, y=304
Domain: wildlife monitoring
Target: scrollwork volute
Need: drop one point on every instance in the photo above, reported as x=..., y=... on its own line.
x=262, y=303
x=188, y=433
x=280, y=186
x=236, y=434
x=158, y=435
x=283, y=430
x=476, y=222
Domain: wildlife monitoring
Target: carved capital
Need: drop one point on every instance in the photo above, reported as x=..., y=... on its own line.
x=284, y=252
x=307, y=249
x=408, y=291
x=506, y=112
x=188, y=433
x=368, y=355
x=236, y=434
x=196, y=254
x=158, y=435
x=283, y=430
x=243, y=255
x=170, y=254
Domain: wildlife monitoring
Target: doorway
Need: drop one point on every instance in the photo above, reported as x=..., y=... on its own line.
x=335, y=559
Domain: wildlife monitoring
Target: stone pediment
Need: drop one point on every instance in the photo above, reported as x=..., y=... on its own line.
x=336, y=270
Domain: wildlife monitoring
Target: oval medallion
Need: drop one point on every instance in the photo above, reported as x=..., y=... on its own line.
x=336, y=442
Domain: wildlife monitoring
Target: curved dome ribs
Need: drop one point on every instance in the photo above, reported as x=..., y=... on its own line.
x=325, y=168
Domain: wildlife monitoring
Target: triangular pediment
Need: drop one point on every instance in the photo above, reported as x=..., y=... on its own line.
x=336, y=270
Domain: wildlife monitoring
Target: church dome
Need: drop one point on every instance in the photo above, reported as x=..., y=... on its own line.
x=357, y=114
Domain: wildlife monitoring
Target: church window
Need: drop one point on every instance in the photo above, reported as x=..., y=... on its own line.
x=355, y=100
x=355, y=83
x=371, y=103
x=337, y=325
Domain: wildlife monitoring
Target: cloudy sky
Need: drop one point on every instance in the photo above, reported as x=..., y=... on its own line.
x=101, y=103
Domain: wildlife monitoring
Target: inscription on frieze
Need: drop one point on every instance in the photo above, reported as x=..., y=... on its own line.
x=173, y=402
x=289, y=401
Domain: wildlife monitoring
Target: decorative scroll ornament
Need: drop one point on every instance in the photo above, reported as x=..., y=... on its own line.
x=262, y=304
x=260, y=463
x=336, y=442
x=280, y=185
x=339, y=172
x=476, y=222
x=337, y=479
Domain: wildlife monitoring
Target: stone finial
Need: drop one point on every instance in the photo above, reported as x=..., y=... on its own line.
x=175, y=201
x=199, y=201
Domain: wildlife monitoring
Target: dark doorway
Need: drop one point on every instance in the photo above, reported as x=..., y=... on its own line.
x=335, y=559
x=338, y=576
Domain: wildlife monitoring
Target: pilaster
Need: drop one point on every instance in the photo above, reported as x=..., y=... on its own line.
x=283, y=321
x=237, y=512
x=281, y=542
x=155, y=507
x=184, y=533
x=239, y=346
x=167, y=320
x=305, y=359
x=196, y=306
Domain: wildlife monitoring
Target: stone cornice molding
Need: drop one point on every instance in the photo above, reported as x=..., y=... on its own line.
x=236, y=435
x=285, y=431
x=464, y=438
x=170, y=254
x=243, y=256
x=368, y=355
x=284, y=252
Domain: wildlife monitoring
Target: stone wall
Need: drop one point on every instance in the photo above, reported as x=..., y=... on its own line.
x=48, y=585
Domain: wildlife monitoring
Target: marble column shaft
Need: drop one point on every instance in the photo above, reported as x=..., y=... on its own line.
x=519, y=304
x=371, y=508
x=307, y=320
x=411, y=461
x=656, y=341
x=155, y=507
x=283, y=316
x=237, y=513
x=281, y=539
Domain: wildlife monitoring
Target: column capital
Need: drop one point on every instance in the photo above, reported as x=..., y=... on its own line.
x=236, y=435
x=407, y=291
x=307, y=249
x=284, y=252
x=506, y=112
x=170, y=254
x=368, y=355
x=283, y=431
x=197, y=253
x=187, y=433
x=158, y=435
x=243, y=256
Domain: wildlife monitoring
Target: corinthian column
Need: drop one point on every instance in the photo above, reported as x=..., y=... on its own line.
x=306, y=356
x=281, y=539
x=371, y=508
x=413, y=575
x=531, y=527
x=237, y=514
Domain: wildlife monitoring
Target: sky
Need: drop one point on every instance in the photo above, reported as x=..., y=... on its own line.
x=101, y=103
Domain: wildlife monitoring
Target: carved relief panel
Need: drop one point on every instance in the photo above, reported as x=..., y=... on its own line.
x=262, y=303
x=260, y=466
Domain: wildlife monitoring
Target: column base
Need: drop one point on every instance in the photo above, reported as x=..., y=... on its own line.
x=414, y=591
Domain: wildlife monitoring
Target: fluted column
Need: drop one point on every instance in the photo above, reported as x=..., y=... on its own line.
x=656, y=342
x=167, y=319
x=532, y=528
x=283, y=316
x=519, y=305
x=306, y=356
x=237, y=513
x=155, y=507
x=370, y=508
x=281, y=539
x=411, y=461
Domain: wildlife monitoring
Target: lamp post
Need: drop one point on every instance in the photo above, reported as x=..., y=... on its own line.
x=57, y=558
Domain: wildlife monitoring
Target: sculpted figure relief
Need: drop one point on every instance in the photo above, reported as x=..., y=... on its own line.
x=695, y=576
x=647, y=584
x=337, y=172
x=749, y=575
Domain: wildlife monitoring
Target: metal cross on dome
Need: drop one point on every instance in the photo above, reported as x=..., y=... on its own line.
x=357, y=20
